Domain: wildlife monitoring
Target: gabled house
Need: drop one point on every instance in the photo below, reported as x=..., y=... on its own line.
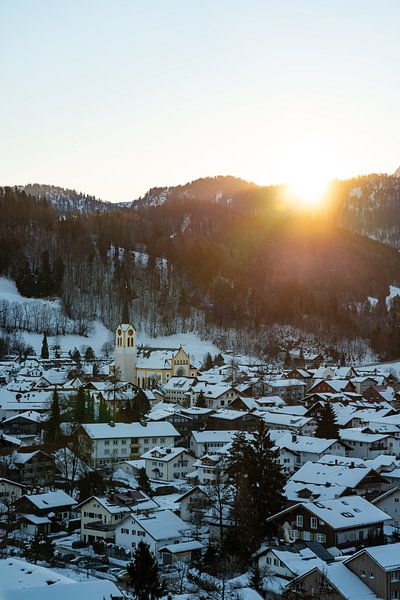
x=100, y=515
x=378, y=567
x=340, y=522
x=34, y=469
x=104, y=444
x=307, y=448
x=361, y=480
x=157, y=529
x=286, y=562
x=192, y=504
x=389, y=502
x=334, y=581
x=54, y=507
x=168, y=464
x=208, y=441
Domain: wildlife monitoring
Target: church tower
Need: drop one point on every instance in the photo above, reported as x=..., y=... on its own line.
x=126, y=352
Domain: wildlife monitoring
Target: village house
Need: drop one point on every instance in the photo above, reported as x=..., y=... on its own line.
x=104, y=444
x=177, y=389
x=36, y=468
x=207, y=469
x=369, y=445
x=334, y=581
x=218, y=395
x=192, y=504
x=290, y=390
x=51, y=510
x=378, y=567
x=206, y=442
x=157, y=529
x=286, y=562
x=10, y=490
x=389, y=502
x=340, y=522
x=100, y=515
x=362, y=480
x=168, y=464
x=25, y=424
x=307, y=448
x=297, y=424
x=228, y=419
x=185, y=552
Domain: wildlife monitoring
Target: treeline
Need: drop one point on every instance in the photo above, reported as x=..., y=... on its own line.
x=190, y=265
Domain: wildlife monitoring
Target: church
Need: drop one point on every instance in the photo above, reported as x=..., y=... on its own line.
x=148, y=367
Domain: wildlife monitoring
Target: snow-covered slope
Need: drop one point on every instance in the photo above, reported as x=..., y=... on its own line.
x=65, y=200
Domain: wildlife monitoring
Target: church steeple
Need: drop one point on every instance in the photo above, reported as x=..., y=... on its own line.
x=126, y=352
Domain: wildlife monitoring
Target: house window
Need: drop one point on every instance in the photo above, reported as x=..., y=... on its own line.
x=363, y=573
x=394, y=594
x=371, y=575
x=320, y=537
x=314, y=523
x=394, y=576
x=299, y=520
x=306, y=536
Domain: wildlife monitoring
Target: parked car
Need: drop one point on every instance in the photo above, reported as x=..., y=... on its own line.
x=114, y=571
x=122, y=575
x=67, y=557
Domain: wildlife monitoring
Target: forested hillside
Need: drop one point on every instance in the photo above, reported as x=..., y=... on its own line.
x=190, y=263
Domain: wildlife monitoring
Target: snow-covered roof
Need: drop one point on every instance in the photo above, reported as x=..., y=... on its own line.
x=101, y=431
x=302, y=443
x=282, y=419
x=163, y=454
x=296, y=491
x=322, y=474
x=29, y=415
x=18, y=574
x=35, y=519
x=345, y=512
x=348, y=584
x=183, y=547
x=356, y=434
x=51, y=500
x=212, y=435
x=161, y=524
x=179, y=384
x=388, y=556
x=299, y=562
x=96, y=589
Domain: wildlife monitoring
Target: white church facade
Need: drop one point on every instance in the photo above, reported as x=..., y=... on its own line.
x=148, y=367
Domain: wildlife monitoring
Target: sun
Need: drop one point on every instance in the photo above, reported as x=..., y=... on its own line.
x=308, y=192
x=310, y=164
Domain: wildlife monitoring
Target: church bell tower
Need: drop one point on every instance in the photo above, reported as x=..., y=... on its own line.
x=126, y=352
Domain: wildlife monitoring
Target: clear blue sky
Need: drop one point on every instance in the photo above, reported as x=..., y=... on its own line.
x=113, y=97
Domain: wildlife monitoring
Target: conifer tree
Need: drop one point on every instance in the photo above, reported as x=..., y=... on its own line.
x=89, y=354
x=45, y=348
x=80, y=412
x=201, y=400
x=40, y=547
x=143, y=574
x=254, y=471
x=53, y=425
x=144, y=482
x=256, y=580
x=104, y=411
x=327, y=426
x=208, y=362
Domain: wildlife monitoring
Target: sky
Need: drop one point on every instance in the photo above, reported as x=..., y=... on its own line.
x=115, y=97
